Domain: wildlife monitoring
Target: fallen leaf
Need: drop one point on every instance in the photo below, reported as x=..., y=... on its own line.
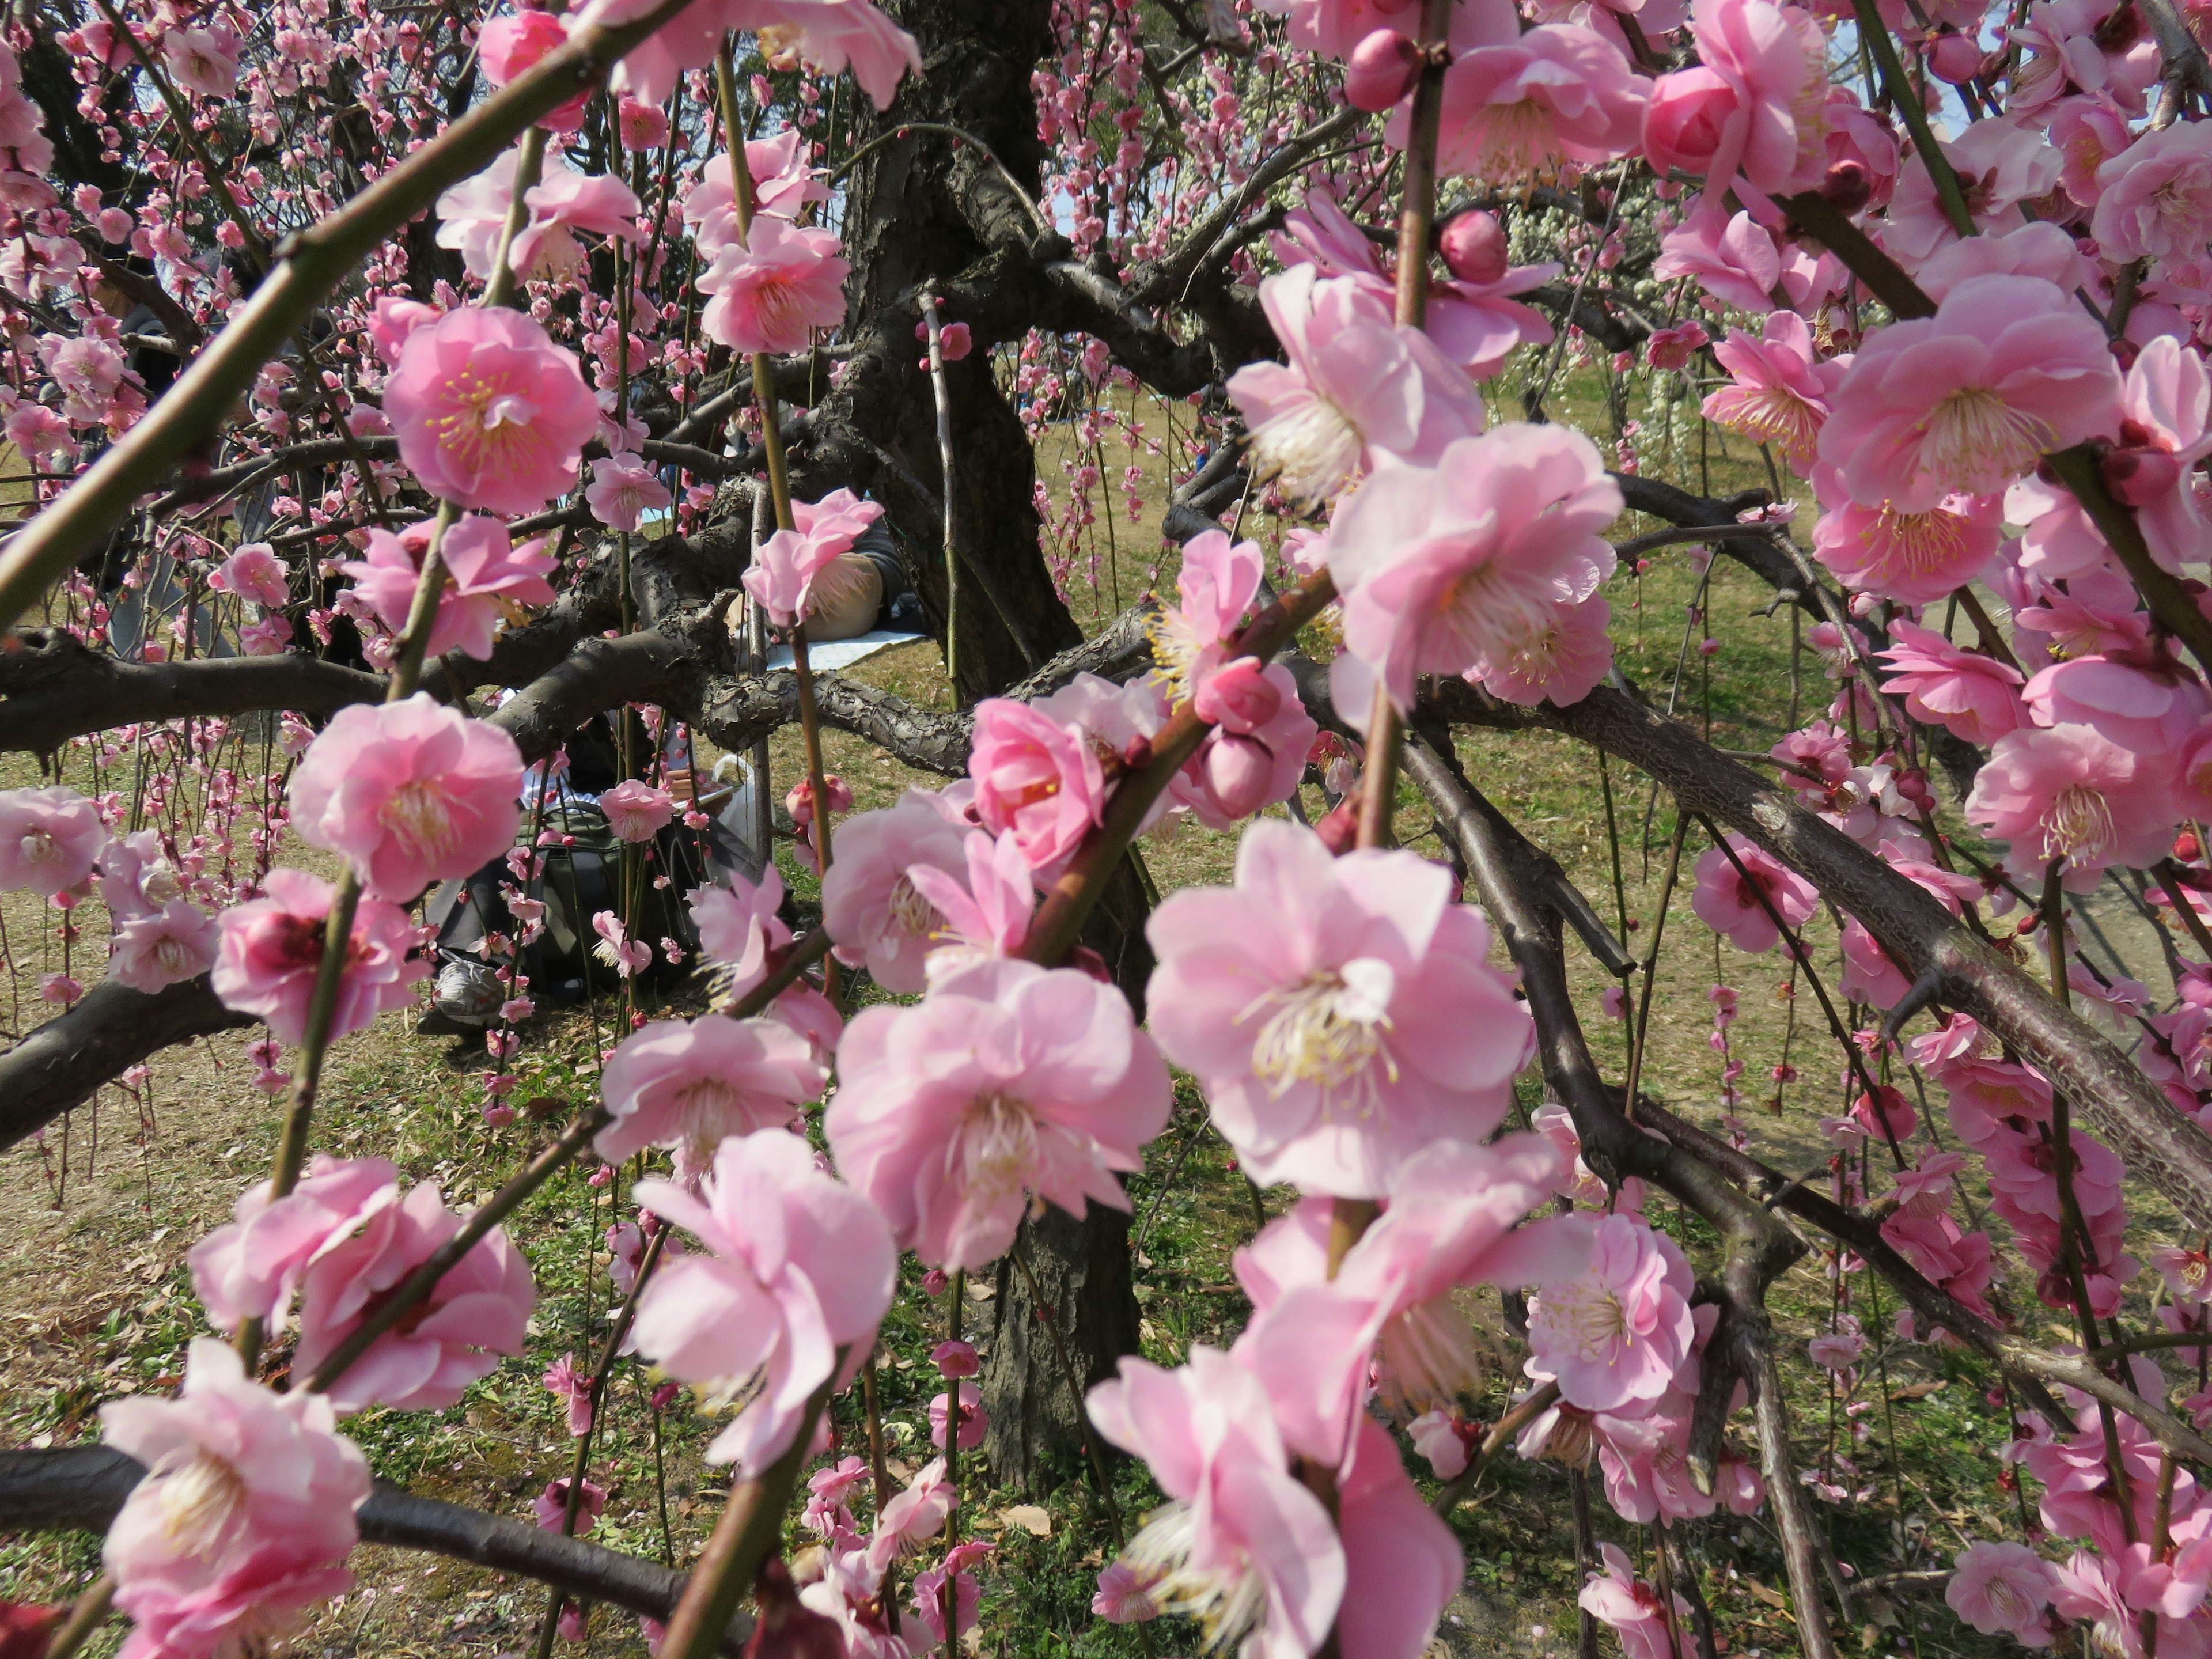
x=1920, y=1391
x=1031, y=1518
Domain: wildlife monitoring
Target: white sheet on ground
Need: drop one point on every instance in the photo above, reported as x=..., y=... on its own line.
x=840, y=653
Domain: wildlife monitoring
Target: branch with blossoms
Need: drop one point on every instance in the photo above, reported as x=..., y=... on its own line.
x=1946, y=337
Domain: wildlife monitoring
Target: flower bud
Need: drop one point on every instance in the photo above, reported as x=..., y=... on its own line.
x=1237, y=773
x=1380, y=70
x=2141, y=477
x=1238, y=697
x=1849, y=187
x=1474, y=246
x=1955, y=58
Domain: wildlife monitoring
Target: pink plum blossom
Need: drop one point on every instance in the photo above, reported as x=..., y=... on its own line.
x=772, y=291
x=1616, y=1334
x=783, y=576
x=1563, y=658
x=487, y=578
x=157, y=950
x=1215, y=586
x=474, y=217
x=1036, y=777
x=827, y=36
x=2068, y=792
x=392, y=322
x=1637, y=1613
x=552, y=1506
x=1780, y=390
x=1444, y=569
x=2154, y=198
x=475, y=1314
x=624, y=489
x=869, y=903
x=2166, y=431
x=574, y=1388
x=1970, y=398
x=1125, y=1593
x=1008, y=1080
x=1773, y=59
x=1472, y=317
x=1339, y=1013
x=490, y=414
x=245, y=1517
x=254, y=572
x=1358, y=387
x=985, y=917
x=1914, y=558
x=1725, y=901
x=513, y=43
x=688, y=1084
x=625, y=955
x=50, y=839
x=1242, y=1541
x=2003, y=1588
x=1558, y=93
x=272, y=948
x=1735, y=260
x=202, y=60
x=1453, y=1221
x=410, y=793
x=798, y=1271
x=636, y=811
x=2152, y=705
x=1974, y=697
x=973, y=1421
x=783, y=184
x=1256, y=752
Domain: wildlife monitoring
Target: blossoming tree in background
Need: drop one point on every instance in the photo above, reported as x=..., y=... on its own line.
x=365, y=361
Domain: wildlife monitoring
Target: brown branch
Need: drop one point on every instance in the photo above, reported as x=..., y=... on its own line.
x=61, y=1064
x=55, y=688
x=81, y=1488
x=1918, y=934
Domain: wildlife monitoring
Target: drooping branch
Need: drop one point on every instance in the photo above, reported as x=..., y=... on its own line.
x=80, y=1488
x=113, y=1028
x=1918, y=934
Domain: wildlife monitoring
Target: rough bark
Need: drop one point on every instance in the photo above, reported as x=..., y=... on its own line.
x=914, y=210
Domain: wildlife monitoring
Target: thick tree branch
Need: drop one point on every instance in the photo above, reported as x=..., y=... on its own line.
x=111, y=1029
x=54, y=689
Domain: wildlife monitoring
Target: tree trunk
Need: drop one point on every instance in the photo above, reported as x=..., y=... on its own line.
x=911, y=217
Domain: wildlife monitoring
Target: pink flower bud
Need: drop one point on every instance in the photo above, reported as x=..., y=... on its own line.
x=1238, y=771
x=1955, y=58
x=1340, y=830
x=1380, y=70
x=1237, y=697
x=1474, y=246
x=2140, y=477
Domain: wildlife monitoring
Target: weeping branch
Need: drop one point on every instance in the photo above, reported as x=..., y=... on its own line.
x=1919, y=935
